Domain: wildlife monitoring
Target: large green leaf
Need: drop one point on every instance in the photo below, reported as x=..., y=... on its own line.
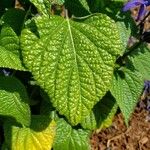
x=9, y=49
x=72, y=61
x=102, y=114
x=68, y=138
x=39, y=136
x=14, y=100
x=126, y=88
x=140, y=59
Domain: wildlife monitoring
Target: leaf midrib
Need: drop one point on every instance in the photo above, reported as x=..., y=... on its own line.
x=75, y=58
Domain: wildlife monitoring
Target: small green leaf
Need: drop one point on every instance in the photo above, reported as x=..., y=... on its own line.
x=68, y=138
x=14, y=100
x=39, y=136
x=140, y=59
x=9, y=50
x=72, y=61
x=102, y=114
x=126, y=88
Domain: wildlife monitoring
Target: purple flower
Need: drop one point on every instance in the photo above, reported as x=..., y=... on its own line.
x=5, y=72
x=146, y=90
x=141, y=3
x=147, y=86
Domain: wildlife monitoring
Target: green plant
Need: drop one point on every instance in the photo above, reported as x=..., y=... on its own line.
x=65, y=68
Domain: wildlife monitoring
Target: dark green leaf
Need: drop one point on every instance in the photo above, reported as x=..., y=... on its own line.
x=140, y=60
x=126, y=88
x=15, y=19
x=78, y=8
x=7, y=3
x=97, y=5
x=14, y=101
x=9, y=50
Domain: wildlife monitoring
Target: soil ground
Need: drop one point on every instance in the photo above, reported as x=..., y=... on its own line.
x=119, y=137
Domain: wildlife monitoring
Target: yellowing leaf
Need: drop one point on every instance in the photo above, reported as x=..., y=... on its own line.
x=39, y=136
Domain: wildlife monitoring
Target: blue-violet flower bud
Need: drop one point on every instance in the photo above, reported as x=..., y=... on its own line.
x=142, y=7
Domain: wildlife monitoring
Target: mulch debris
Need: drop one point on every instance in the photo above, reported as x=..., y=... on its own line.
x=120, y=137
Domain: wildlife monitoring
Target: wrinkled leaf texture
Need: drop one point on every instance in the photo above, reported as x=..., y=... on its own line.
x=140, y=60
x=14, y=101
x=9, y=50
x=126, y=88
x=72, y=60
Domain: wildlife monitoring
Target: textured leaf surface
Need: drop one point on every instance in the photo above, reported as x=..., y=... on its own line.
x=126, y=88
x=72, y=60
x=39, y=136
x=70, y=139
x=102, y=114
x=9, y=50
x=125, y=33
x=14, y=100
x=141, y=60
